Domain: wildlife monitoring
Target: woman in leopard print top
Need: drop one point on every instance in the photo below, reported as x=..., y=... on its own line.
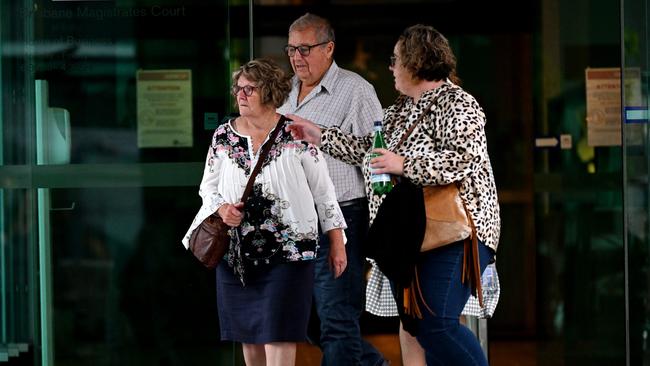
x=449, y=145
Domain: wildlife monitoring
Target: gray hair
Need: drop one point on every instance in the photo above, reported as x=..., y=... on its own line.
x=323, y=28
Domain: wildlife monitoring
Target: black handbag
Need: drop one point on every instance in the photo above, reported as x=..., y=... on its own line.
x=209, y=242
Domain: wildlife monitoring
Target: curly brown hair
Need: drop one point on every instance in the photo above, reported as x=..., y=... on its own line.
x=273, y=83
x=426, y=53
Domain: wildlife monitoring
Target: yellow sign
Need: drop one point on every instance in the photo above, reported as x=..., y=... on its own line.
x=164, y=108
x=603, y=86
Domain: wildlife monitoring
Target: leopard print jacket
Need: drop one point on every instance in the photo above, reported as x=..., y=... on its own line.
x=449, y=145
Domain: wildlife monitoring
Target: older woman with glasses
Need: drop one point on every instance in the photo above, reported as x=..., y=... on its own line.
x=264, y=286
x=448, y=145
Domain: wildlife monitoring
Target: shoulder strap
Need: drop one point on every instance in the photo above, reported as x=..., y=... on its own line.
x=424, y=113
x=260, y=160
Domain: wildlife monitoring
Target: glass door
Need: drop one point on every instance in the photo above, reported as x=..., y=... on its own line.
x=634, y=29
x=108, y=110
x=580, y=261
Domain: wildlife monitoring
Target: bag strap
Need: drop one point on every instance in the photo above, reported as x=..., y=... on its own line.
x=264, y=151
x=396, y=179
x=417, y=122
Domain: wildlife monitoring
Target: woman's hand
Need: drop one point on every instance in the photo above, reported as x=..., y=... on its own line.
x=231, y=214
x=338, y=259
x=302, y=129
x=387, y=162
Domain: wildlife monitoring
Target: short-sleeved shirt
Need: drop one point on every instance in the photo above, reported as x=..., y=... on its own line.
x=345, y=100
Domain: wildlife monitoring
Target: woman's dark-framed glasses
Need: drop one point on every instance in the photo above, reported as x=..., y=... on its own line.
x=248, y=89
x=304, y=49
x=393, y=60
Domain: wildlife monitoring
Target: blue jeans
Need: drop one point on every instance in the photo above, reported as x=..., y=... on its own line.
x=339, y=302
x=444, y=339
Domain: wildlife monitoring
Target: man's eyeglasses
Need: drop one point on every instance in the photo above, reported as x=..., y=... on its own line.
x=248, y=89
x=304, y=50
x=393, y=60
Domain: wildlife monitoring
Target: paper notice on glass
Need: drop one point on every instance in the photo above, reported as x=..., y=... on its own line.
x=603, y=106
x=603, y=86
x=164, y=108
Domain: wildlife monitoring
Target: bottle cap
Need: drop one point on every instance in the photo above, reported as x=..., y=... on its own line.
x=377, y=123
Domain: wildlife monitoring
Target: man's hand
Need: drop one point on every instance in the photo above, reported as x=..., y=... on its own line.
x=302, y=129
x=231, y=214
x=338, y=259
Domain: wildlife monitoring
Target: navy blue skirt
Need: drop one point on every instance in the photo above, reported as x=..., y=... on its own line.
x=273, y=307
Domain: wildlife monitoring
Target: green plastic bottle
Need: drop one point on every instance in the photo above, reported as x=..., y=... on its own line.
x=381, y=183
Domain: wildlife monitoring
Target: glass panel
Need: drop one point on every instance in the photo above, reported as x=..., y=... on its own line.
x=108, y=110
x=637, y=188
x=90, y=54
x=19, y=318
x=578, y=201
x=18, y=297
x=125, y=292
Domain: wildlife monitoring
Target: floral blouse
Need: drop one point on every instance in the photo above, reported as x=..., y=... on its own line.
x=280, y=219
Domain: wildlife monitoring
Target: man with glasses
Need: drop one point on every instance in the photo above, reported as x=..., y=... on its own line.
x=330, y=96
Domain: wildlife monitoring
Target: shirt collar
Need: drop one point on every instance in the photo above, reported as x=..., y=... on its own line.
x=326, y=83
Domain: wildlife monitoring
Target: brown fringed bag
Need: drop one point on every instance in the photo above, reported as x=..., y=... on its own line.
x=210, y=240
x=447, y=221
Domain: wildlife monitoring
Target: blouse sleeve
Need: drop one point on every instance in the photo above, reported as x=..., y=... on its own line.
x=208, y=189
x=211, y=175
x=460, y=144
x=322, y=189
x=348, y=148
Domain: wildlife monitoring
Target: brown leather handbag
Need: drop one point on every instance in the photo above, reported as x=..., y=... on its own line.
x=211, y=239
x=447, y=220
